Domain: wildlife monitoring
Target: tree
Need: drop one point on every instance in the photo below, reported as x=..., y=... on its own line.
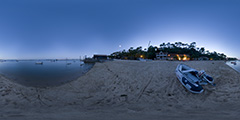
x=177, y=48
x=207, y=52
x=202, y=50
x=168, y=45
x=192, y=45
x=151, y=53
x=163, y=45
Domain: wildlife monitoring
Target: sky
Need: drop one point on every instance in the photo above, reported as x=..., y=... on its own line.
x=73, y=28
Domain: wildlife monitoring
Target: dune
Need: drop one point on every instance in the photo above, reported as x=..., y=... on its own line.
x=127, y=90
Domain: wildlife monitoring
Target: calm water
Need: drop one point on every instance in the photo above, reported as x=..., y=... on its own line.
x=236, y=67
x=49, y=74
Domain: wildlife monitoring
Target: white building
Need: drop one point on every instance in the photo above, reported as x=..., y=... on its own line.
x=161, y=56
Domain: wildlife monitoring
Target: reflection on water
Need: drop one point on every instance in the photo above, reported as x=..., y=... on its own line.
x=50, y=73
x=234, y=64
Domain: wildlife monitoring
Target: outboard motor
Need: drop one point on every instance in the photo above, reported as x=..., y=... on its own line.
x=205, y=78
x=201, y=73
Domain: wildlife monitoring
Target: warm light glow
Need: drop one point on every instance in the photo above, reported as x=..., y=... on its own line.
x=141, y=56
x=179, y=58
x=185, y=57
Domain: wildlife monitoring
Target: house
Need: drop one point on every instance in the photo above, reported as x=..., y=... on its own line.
x=183, y=57
x=161, y=56
x=100, y=57
x=171, y=56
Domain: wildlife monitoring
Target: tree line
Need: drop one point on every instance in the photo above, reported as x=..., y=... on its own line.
x=177, y=48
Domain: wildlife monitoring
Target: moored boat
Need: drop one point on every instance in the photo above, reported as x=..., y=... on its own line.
x=81, y=63
x=39, y=63
x=234, y=63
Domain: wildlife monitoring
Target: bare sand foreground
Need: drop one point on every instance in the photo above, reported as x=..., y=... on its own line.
x=127, y=90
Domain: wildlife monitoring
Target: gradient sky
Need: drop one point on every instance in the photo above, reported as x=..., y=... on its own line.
x=70, y=28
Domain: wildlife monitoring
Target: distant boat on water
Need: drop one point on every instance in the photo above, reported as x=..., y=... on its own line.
x=69, y=63
x=234, y=63
x=53, y=60
x=39, y=63
x=81, y=63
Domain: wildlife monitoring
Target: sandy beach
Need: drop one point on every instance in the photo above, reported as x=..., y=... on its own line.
x=127, y=90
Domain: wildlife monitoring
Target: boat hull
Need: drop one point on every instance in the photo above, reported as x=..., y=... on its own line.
x=187, y=83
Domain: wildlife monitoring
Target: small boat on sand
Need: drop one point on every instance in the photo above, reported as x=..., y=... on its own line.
x=39, y=63
x=192, y=79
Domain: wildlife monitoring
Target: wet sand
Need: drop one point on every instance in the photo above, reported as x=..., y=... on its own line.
x=127, y=90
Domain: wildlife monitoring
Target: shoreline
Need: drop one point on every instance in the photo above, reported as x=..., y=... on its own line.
x=233, y=68
x=148, y=89
x=42, y=82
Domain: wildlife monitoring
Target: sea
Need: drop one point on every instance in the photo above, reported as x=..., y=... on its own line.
x=50, y=73
x=234, y=64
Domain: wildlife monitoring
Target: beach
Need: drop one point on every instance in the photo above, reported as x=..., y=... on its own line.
x=127, y=90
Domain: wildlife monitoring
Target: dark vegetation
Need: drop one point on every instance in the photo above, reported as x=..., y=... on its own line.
x=177, y=48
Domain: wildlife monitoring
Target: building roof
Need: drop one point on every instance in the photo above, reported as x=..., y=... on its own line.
x=162, y=52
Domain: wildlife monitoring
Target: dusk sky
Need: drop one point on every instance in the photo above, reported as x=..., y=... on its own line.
x=70, y=28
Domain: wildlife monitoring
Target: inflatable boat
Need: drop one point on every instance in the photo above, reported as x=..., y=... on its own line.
x=192, y=79
x=188, y=77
